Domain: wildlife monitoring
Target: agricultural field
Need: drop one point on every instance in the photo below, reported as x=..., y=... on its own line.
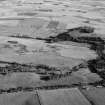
x=62, y=97
x=96, y=95
x=52, y=49
x=21, y=98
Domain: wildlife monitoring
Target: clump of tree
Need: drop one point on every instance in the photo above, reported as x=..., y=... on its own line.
x=98, y=83
x=84, y=29
x=66, y=36
x=46, y=67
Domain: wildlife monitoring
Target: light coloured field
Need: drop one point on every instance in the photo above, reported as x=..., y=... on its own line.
x=86, y=76
x=19, y=79
x=21, y=49
x=63, y=97
x=21, y=98
x=38, y=52
x=76, y=52
x=31, y=27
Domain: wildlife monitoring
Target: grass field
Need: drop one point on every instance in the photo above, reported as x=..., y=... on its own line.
x=96, y=95
x=19, y=79
x=21, y=98
x=62, y=97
